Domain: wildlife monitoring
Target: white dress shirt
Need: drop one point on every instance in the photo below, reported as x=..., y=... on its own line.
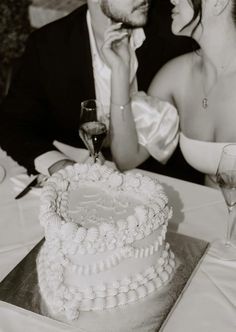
x=102, y=80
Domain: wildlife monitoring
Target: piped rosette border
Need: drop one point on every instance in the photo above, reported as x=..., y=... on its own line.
x=108, y=235
x=71, y=300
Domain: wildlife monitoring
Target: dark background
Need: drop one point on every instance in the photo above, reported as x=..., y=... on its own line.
x=14, y=30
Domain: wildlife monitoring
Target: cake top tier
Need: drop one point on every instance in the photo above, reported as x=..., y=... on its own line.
x=101, y=208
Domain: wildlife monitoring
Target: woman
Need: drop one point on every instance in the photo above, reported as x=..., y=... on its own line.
x=200, y=85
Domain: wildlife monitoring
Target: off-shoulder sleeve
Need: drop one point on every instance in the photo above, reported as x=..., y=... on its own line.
x=157, y=124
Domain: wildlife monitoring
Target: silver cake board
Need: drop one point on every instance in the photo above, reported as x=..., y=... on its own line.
x=20, y=288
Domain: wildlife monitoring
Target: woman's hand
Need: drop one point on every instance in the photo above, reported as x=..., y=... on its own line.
x=116, y=48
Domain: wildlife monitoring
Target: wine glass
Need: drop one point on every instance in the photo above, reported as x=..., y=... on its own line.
x=92, y=129
x=2, y=173
x=226, y=178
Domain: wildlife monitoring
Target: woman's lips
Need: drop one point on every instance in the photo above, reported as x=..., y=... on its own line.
x=174, y=13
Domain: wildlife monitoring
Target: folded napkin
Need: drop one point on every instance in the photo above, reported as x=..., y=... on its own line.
x=20, y=181
x=79, y=155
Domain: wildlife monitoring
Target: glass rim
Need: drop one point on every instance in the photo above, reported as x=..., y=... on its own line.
x=95, y=101
x=2, y=173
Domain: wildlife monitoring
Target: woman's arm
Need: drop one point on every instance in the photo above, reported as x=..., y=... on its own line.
x=126, y=150
x=153, y=121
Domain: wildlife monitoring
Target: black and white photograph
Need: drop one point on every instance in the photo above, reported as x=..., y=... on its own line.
x=118, y=165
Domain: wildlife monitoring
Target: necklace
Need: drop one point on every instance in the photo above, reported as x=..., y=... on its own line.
x=206, y=94
x=205, y=102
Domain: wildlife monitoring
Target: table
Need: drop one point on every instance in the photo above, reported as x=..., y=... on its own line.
x=209, y=302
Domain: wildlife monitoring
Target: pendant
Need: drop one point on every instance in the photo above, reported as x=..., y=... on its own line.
x=205, y=103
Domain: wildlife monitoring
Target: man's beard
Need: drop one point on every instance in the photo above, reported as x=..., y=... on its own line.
x=121, y=17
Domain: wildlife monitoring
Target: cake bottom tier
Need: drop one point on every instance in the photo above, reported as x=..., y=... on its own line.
x=61, y=299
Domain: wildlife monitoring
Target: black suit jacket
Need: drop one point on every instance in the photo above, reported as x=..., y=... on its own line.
x=55, y=74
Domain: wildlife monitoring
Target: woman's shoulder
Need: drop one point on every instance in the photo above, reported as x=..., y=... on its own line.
x=181, y=64
x=171, y=75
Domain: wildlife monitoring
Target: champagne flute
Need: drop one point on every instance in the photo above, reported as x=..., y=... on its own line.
x=226, y=178
x=2, y=173
x=92, y=130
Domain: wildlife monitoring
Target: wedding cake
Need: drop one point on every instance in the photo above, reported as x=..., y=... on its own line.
x=104, y=239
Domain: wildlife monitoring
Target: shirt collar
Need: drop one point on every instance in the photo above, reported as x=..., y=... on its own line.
x=137, y=38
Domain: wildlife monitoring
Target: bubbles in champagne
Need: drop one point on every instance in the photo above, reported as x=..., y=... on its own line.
x=93, y=134
x=227, y=183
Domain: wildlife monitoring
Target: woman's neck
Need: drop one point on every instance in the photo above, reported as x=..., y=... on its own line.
x=218, y=47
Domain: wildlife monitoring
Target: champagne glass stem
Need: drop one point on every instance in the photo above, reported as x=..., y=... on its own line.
x=229, y=225
x=95, y=157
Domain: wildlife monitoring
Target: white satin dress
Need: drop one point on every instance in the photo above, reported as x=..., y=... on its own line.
x=157, y=124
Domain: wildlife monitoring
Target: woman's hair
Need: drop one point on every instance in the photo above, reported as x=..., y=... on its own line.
x=197, y=8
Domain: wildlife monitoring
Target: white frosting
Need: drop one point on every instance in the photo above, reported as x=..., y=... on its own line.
x=105, y=239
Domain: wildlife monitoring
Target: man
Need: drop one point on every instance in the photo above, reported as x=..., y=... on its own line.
x=62, y=66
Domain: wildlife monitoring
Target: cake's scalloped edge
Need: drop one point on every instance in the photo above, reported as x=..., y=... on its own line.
x=146, y=218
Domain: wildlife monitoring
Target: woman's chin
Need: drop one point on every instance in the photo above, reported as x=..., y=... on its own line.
x=177, y=30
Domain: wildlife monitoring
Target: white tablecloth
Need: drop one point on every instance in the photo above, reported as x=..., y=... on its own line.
x=209, y=302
